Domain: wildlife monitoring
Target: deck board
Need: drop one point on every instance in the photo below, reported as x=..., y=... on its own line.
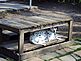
x=12, y=6
x=14, y=23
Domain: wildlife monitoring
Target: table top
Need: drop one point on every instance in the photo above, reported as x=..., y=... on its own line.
x=32, y=21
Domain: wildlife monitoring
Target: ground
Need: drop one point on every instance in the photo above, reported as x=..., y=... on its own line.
x=70, y=53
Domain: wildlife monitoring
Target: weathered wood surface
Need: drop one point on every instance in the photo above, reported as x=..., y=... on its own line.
x=13, y=6
x=31, y=22
x=34, y=53
x=46, y=49
x=10, y=6
x=14, y=46
x=30, y=46
x=70, y=30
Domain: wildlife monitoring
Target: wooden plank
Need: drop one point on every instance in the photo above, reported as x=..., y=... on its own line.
x=11, y=23
x=19, y=23
x=70, y=28
x=46, y=20
x=56, y=19
x=36, y=19
x=25, y=21
x=14, y=46
x=33, y=20
x=15, y=6
x=9, y=28
x=15, y=23
x=21, y=45
x=21, y=18
x=37, y=52
x=42, y=27
x=49, y=14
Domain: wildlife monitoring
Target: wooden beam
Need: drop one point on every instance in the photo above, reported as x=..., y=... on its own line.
x=70, y=28
x=21, y=44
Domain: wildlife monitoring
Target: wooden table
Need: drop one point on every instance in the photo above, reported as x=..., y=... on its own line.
x=31, y=24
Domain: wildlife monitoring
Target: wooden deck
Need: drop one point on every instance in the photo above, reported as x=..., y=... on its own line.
x=13, y=6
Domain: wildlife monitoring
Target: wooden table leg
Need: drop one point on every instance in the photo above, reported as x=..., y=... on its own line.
x=70, y=28
x=21, y=44
x=1, y=36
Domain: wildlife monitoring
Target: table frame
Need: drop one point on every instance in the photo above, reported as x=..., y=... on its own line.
x=21, y=33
